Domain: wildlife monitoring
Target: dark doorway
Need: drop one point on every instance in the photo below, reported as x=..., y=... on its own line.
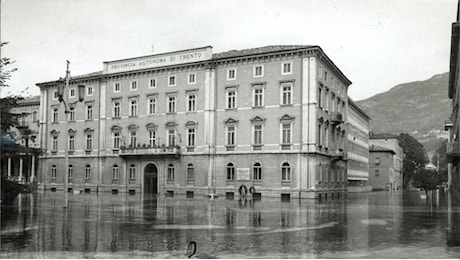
x=150, y=178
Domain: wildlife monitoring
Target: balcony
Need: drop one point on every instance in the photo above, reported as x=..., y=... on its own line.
x=336, y=118
x=453, y=149
x=448, y=125
x=170, y=152
x=337, y=154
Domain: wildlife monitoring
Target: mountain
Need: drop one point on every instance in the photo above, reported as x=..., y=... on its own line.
x=418, y=108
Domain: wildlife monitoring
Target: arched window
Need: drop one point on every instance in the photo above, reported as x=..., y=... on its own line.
x=88, y=172
x=257, y=170
x=70, y=171
x=53, y=172
x=230, y=172
x=132, y=172
x=286, y=172
x=170, y=172
x=115, y=172
x=190, y=172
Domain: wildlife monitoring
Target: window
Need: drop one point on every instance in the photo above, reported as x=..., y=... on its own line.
x=257, y=170
x=377, y=161
x=191, y=102
x=115, y=172
x=231, y=135
x=258, y=71
x=89, y=91
x=34, y=116
x=171, y=137
x=257, y=135
x=153, y=83
x=318, y=136
x=377, y=173
x=171, y=104
x=53, y=172
x=133, y=107
x=71, y=142
x=231, y=98
x=171, y=81
x=55, y=114
x=116, y=108
x=190, y=172
x=55, y=95
x=230, y=172
x=89, y=141
x=55, y=143
x=286, y=135
x=286, y=94
x=71, y=92
x=285, y=172
x=132, y=138
x=170, y=172
x=191, y=79
x=72, y=113
x=286, y=68
x=152, y=138
x=191, y=137
x=320, y=95
x=70, y=171
x=132, y=172
x=258, y=96
x=89, y=111
x=152, y=105
x=133, y=85
x=116, y=140
x=116, y=87
x=231, y=74
x=88, y=172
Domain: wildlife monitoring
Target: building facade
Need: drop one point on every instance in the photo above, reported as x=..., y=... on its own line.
x=453, y=124
x=358, y=147
x=193, y=122
x=20, y=162
x=385, y=162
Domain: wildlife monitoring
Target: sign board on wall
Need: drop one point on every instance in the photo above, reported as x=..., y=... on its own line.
x=159, y=60
x=242, y=174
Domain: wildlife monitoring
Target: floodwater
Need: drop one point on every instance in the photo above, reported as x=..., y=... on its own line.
x=368, y=225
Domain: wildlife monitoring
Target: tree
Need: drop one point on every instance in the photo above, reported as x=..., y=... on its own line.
x=5, y=74
x=440, y=160
x=426, y=180
x=415, y=157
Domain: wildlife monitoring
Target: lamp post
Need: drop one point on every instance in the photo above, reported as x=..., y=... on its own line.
x=62, y=86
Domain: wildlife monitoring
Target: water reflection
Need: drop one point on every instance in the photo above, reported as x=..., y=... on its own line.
x=383, y=224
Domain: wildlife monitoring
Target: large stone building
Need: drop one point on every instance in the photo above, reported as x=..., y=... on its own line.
x=193, y=122
x=358, y=148
x=453, y=125
x=385, y=162
x=19, y=161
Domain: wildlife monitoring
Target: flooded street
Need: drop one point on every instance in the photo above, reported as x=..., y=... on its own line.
x=371, y=225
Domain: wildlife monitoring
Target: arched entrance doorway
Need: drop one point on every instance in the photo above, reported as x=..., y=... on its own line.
x=151, y=178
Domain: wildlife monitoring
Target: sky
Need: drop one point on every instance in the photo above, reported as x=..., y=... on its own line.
x=377, y=44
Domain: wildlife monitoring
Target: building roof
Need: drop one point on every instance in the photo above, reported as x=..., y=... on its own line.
x=355, y=106
x=259, y=50
x=373, y=135
x=29, y=101
x=377, y=148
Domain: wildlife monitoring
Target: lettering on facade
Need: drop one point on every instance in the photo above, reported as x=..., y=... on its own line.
x=159, y=60
x=242, y=174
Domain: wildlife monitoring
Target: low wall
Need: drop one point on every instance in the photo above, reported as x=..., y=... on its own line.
x=356, y=189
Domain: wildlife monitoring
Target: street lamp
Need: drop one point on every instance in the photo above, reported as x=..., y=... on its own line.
x=62, y=86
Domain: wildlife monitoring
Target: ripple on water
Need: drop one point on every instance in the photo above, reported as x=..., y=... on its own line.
x=380, y=222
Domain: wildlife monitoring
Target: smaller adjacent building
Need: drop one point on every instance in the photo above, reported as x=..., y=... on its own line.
x=385, y=162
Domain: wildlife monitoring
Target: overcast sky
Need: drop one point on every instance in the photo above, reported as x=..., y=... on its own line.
x=376, y=43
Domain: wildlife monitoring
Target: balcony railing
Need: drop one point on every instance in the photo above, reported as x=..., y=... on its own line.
x=336, y=118
x=337, y=154
x=453, y=149
x=143, y=150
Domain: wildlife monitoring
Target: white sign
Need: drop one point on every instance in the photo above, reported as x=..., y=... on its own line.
x=242, y=174
x=159, y=60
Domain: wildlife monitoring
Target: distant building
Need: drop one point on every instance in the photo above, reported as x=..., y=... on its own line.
x=358, y=147
x=19, y=162
x=193, y=122
x=453, y=124
x=385, y=162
